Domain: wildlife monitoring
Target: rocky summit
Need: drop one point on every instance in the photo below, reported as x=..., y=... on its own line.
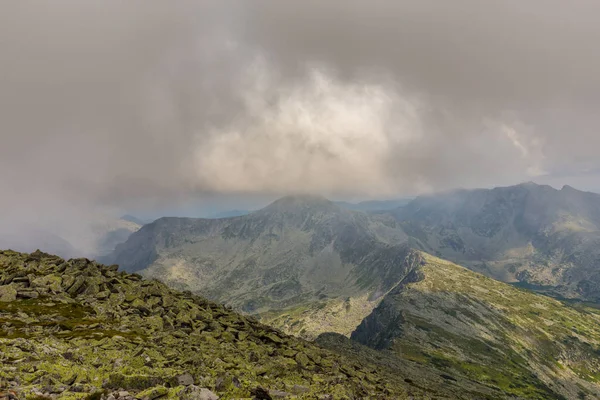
x=303, y=263
x=79, y=330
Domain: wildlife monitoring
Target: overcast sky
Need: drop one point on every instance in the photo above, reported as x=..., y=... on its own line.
x=142, y=104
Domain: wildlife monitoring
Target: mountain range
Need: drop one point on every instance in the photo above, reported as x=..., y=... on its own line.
x=314, y=269
x=533, y=235
x=381, y=290
x=301, y=251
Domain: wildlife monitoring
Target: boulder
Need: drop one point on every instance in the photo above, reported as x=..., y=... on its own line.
x=185, y=379
x=195, y=393
x=152, y=393
x=8, y=293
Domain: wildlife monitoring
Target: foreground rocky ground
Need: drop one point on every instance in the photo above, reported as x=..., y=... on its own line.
x=76, y=329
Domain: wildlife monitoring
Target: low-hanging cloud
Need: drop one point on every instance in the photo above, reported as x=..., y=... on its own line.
x=107, y=106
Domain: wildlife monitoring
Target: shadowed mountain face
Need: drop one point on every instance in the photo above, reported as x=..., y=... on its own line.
x=300, y=252
x=530, y=233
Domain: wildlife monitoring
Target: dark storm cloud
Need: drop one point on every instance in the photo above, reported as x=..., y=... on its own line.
x=117, y=104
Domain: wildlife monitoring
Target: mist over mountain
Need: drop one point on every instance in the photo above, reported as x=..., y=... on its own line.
x=374, y=205
x=296, y=163
x=20, y=240
x=90, y=239
x=135, y=220
x=152, y=107
x=530, y=233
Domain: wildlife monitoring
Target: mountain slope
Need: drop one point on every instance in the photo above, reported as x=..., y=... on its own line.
x=302, y=255
x=474, y=327
x=529, y=233
x=71, y=328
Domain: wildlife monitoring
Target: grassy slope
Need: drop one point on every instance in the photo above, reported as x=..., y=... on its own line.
x=469, y=325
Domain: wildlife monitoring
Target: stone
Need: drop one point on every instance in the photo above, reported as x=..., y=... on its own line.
x=8, y=294
x=236, y=382
x=299, y=389
x=278, y=394
x=206, y=394
x=123, y=393
x=302, y=359
x=77, y=286
x=185, y=379
x=28, y=294
x=273, y=337
x=153, y=393
x=223, y=383
x=195, y=393
x=260, y=393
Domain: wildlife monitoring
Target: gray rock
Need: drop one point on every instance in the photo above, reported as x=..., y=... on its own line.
x=299, y=389
x=7, y=293
x=110, y=397
x=236, y=382
x=123, y=393
x=195, y=393
x=28, y=294
x=278, y=394
x=185, y=379
x=206, y=394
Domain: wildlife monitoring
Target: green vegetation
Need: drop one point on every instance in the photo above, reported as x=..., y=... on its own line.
x=472, y=326
x=76, y=329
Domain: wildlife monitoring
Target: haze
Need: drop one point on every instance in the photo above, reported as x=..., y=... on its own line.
x=113, y=106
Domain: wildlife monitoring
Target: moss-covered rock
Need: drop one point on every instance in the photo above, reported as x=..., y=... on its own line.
x=8, y=293
x=152, y=393
x=93, y=329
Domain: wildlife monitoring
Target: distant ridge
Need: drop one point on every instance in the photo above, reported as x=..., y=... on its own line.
x=528, y=232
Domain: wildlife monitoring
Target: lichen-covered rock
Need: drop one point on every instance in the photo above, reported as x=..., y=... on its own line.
x=93, y=330
x=8, y=293
x=185, y=379
x=196, y=393
x=152, y=393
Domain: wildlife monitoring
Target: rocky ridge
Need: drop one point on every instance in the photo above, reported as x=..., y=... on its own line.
x=543, y=238
x=76, y=329
x=468, y=325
